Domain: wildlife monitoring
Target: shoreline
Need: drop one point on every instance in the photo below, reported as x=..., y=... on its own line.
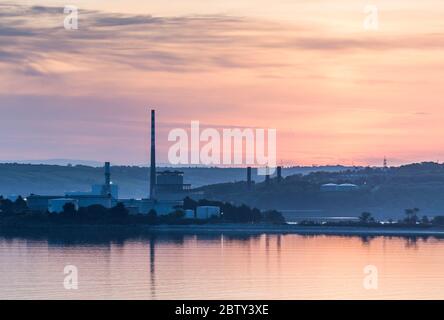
x=216, y=229
x=301, y=230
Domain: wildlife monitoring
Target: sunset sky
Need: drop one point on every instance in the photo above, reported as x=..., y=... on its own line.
x=335, y=92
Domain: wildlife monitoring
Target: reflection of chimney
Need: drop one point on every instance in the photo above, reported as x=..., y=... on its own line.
x=107, y=178
x=267, y=176
x=153, y=155
x=279, y=174
x=249, y=177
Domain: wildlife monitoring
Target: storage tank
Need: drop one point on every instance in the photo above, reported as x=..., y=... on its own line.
x=328, y=187
x=206, y=212
x=348, y=187
x=56, y=205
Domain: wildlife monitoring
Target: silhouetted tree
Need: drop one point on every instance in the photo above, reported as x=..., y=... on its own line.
x=7, y=206
x=119, y=211
x=274, y=217
x=365, y=217
x=93, y=213
x=412, y=215
x=438, y=220
x=20, y=205
x=256, y=215
x=152, y=216
x=178, y=214
x=189, y=204
x=69, y=209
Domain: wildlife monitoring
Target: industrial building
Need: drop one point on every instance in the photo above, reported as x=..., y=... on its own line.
x=144, y=206
x=40, y=203
x=166, y=193
x=105, y=195
x=169, y=185
x=105, y=190
x=167, y=188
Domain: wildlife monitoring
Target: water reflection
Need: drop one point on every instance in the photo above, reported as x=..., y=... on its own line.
x=220, y=266
x=153, y=265
x=119, y=239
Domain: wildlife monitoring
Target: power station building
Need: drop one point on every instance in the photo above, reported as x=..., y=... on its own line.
x=167, y=188
x=169, y=185
x=105, y=195
x=166, y=193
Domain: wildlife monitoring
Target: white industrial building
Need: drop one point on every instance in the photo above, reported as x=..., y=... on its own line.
x=104, y=195
x=144, y=206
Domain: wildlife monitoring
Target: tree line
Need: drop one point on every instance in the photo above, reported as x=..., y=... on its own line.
x=18, y=212
x=237, y=214
x=411, y=219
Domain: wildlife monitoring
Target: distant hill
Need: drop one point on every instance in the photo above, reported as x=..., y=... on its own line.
x=384, y=193
x=133, y=181
x=57, y=162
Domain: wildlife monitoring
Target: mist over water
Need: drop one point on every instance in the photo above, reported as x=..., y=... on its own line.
x=222, y=267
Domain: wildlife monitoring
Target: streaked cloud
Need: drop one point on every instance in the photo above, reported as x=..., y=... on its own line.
x=331, y=89
x=175, y=44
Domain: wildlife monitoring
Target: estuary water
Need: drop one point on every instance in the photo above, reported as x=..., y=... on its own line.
x=224, y=267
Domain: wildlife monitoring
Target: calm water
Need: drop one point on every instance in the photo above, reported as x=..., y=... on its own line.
x=222, y=267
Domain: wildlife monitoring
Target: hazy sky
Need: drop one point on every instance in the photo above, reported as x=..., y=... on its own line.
x=335, y=92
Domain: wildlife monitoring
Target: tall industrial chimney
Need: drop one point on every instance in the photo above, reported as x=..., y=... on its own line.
x=107, y=178
x=153, y=155
x=249, y=177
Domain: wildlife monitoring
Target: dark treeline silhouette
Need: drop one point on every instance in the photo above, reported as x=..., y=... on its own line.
x=366, y=219
x=92, y=215
x=17, y=206
x=17, y=213
x=237, y=214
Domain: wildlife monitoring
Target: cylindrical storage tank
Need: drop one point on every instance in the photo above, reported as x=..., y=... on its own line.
x=328, y=187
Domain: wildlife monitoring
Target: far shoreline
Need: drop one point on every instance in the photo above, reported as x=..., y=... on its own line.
x=217, y=229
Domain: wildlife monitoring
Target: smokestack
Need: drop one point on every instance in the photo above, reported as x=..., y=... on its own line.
x=153, y=155
x=249, y=177
x=107, y=177
x=279, y=174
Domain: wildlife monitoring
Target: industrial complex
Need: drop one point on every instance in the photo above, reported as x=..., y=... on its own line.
x=165, y=195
